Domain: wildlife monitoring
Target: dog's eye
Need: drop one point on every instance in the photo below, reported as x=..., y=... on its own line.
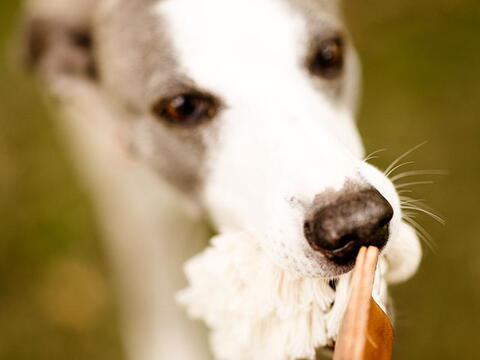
x=186, y=109
x=327, y=62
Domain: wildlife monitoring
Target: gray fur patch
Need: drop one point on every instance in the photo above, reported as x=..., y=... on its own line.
x=138, y=67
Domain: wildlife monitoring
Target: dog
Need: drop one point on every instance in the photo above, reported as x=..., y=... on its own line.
x=189, y=118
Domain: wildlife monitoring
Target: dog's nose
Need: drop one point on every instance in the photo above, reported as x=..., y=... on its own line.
x=352, y=220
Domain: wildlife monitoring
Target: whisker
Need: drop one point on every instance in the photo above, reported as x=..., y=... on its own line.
x=372, y=155
x=422, y=233
x=397, y=160
x=409, y=214
x=406, y=197
x=425, y=211
x=425, y=206
x=411, y=201
x=417, y=172
x=410, y=206
x=405, y=191
x=392, y=170
x=399, y=186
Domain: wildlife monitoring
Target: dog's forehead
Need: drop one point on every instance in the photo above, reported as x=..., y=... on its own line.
x=219, y=39
x=156, y=44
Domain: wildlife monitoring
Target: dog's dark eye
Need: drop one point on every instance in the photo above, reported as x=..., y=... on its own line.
x=327, y=62
x=186, y=109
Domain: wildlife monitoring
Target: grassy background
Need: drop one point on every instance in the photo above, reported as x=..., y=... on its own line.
x=421, y=65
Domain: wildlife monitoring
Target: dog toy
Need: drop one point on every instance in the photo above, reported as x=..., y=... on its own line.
x=257, y=310
x=366, y=332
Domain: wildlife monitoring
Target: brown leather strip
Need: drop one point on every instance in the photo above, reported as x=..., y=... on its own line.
x=380, y=333
x=366, y=332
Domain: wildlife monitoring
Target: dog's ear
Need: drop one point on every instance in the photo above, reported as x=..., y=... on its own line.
x=56, y=48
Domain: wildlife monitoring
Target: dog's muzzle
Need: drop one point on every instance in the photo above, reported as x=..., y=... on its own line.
x=338, y=228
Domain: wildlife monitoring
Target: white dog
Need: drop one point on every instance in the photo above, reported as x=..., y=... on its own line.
x=236, y=111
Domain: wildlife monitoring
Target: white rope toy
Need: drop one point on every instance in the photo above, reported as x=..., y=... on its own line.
x=257, y=310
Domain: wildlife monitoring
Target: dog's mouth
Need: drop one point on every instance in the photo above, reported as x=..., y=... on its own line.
x=344, y=256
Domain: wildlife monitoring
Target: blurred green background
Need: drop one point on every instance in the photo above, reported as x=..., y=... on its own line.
x=421, y=64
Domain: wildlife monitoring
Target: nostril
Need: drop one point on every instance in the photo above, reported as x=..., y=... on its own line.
x=354, y=219
x=346, y=239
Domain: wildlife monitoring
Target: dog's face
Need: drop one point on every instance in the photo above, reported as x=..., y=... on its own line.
x=248, y=107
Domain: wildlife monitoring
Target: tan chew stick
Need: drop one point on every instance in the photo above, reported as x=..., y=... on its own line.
x=366, y=332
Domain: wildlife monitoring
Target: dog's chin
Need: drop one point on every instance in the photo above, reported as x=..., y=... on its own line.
x=333, y=270
x=316, y=266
